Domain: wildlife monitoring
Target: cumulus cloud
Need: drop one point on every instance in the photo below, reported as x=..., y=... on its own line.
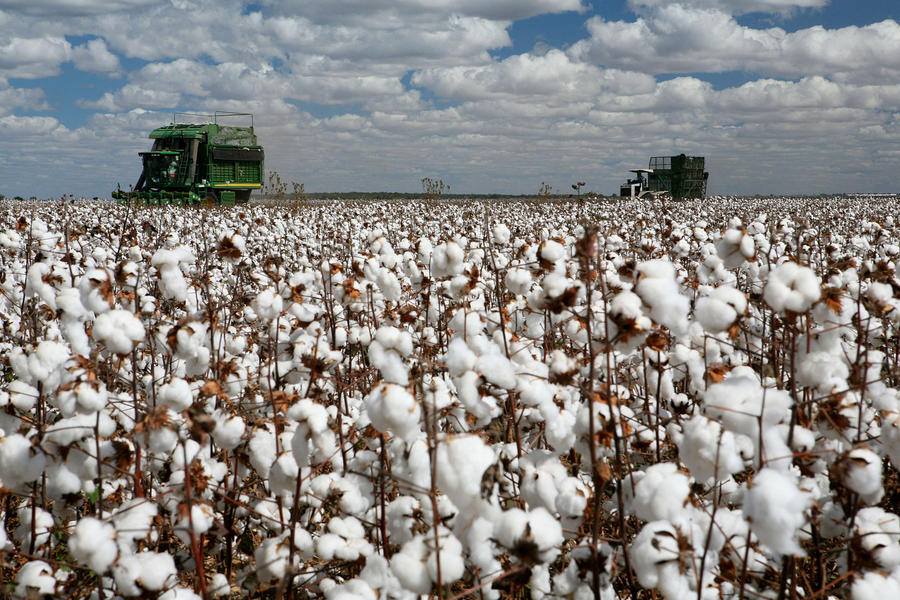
x=95, y=56
x=31, y=58
x=682, y=39
x=736, y=7
x=55, y=8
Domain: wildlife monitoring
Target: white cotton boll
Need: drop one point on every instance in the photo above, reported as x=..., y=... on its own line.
x=93, y=544
x=708, y=450
x=447, y=260
x=179, y=593
x=516, y=528
x=133, y=521
x=462, y=461
x=176, y=394
x=46, y=365
x=201, y=519
x=735, y=247
x=498, y=370
x=875, y=585
x=860, y=471
x=21, y=395
x=822, y=371
x=219, y=586
x=118, y=330
x=95, y=288
x=42, y=523
x=144, y=571
x=459, y=358
x=262, y=451
x=449, y=555
x=268, y=304
x=551, y=251
x=389, y=285
x=392, y=409
x=20, y=462
x=738, y=401
x=386, y=353
x=661, y=494
x=518, y=281
x=776, y=508
x=168, y=263
x=791, y=287
x=229, y=430
x=409, y=568
x=655, y=554
x=878, y=532
x=500, y=234
x=718, y=311
x=890, y=437
x=35, y=575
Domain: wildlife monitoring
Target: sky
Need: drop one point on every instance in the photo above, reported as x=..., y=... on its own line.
x=489, y=96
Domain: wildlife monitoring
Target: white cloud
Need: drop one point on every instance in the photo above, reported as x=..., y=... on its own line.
x=12, y=98
x=736, y=7
x=679, y=39
x=95, y=56
x=55, y=8
x=31, y=58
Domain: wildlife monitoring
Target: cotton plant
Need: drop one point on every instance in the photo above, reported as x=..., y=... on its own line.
x=349, y=387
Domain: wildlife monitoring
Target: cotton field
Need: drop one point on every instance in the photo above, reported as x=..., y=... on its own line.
x=585, y=399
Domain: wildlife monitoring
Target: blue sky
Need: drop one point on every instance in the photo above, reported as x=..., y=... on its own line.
x=490, y=96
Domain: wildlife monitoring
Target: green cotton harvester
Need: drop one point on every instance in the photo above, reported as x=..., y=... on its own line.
x=675, y=176
x=199, y=163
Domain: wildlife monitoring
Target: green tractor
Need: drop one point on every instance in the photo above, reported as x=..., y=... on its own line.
x=199, y=163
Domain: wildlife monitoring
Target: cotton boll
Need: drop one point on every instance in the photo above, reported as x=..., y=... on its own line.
x=875, y=585
x=462, y=461
x=392, y=409
x=229, y=430
x=133, y=521
x=179, y=593
x=791, y=287
x=118, y=330
x=45, y=365
x=735, y=247
x=718, y=311
x=878, y=533
x=145, y=571
x=500, y=234
x=386, y=353
x=168, y=263
x=409, y=568
x=21, y=395
x=95, y=288
x=656, y=558
x=93, y=544
x=860, y=471
x=449, y=556
x=446, y=260
x=535, y=532
x=35, y=575
x=20, y=462
x=661, y=494
x=776, y=508
x=708, y=450
x=176, y=394
x=551, y=251
x=39, y=526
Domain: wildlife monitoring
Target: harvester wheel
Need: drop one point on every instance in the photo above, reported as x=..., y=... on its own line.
x=210, y=199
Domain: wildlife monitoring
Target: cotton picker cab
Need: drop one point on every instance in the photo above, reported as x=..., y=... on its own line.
x=199, y=163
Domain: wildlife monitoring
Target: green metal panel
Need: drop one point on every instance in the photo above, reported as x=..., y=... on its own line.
x=682, y=176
